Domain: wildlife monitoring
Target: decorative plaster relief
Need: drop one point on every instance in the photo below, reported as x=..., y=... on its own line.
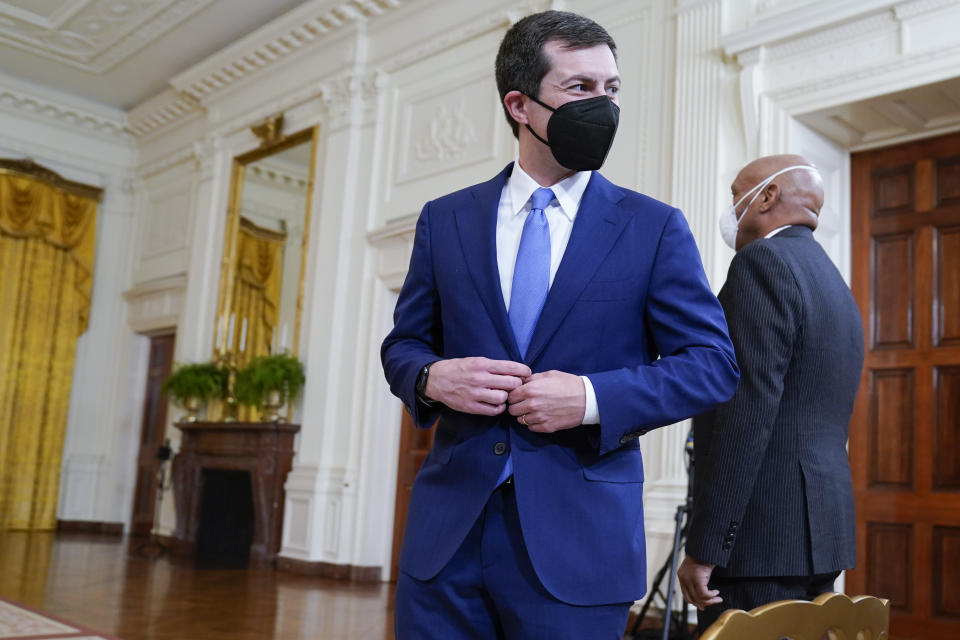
x=168, y=215
x=350, y=96
x=450, y=128
x=206, y=151
x=92, y=35
x=449, y=135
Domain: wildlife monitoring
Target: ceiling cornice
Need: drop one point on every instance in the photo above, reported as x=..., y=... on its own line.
x=275, y=41
x=19, y=97
x=295, y=31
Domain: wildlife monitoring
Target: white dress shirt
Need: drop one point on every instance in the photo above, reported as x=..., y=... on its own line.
x=561, y=212
x=774, y=232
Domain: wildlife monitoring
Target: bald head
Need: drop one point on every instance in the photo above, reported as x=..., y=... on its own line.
x=793, y=197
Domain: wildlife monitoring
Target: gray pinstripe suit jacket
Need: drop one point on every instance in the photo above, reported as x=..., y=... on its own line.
x=772, y=486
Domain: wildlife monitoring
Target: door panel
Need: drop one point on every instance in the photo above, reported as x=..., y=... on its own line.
x=152, y=431
x=905, y=431
x=414, y=446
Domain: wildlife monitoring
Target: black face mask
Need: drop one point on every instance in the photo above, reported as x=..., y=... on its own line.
x=581, y=132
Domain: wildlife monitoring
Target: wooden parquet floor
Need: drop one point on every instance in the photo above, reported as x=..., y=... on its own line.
x=95, y=581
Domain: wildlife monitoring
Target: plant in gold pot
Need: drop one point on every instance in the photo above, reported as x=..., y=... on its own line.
x=192, y=385
x=270, y=382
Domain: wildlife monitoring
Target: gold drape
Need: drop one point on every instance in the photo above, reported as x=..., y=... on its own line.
x=256, y=292
x=47, y=240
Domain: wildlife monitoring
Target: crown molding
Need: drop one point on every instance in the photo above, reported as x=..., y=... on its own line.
x=478, y=26
x=272, y=43
x=913, y=8
x=21, y=98
x=803, y=20
x=161, y=111
x=295, y=31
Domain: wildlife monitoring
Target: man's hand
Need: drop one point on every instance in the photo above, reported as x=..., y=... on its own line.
x=694, y=577
x=549, y=401
x=475, y=385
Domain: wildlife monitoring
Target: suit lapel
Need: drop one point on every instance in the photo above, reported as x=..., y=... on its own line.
x=598, y=224
x=477, y=228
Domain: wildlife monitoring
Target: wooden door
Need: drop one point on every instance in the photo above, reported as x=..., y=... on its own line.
x=152, y=431
x=414, y=446
x=905, y=433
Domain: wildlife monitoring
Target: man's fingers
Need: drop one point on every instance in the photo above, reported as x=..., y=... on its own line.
x=495, y=397
x=518, y=408
x=506, y=383
x=484, y=409
x=507, y=368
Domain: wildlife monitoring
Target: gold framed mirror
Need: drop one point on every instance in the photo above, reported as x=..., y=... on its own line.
x=265, y=246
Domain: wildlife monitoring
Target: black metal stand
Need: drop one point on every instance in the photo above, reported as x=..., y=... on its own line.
x=674, y=622
x=153, y=547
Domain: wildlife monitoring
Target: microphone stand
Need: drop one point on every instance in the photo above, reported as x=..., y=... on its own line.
x=163, y=455
x=681, y=524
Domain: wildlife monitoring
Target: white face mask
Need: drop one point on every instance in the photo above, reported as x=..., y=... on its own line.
x=730, y=224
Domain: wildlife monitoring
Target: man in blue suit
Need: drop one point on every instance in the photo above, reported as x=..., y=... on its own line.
x=549, y=318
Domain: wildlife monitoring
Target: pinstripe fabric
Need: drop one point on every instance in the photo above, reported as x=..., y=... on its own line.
x=750, y=593
x=772, y=486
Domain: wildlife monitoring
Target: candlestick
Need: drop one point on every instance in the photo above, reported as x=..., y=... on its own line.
x=283, y=338
x=230, y=333
x=243, y=336
x=220, y=333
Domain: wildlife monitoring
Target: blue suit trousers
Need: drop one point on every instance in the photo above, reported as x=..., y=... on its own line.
x=489, y=590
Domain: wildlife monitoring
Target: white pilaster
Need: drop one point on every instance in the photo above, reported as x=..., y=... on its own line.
x=699, y=73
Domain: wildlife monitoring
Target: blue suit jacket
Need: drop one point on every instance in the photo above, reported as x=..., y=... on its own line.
x=631, y=308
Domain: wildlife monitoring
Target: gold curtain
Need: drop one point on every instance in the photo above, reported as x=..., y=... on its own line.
x=47, y=235
x=256, y=293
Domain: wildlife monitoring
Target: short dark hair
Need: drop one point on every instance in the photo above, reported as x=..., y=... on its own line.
x=521, y=62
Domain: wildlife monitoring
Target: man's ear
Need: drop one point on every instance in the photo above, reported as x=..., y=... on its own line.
x=769, y=197
x=516, y=105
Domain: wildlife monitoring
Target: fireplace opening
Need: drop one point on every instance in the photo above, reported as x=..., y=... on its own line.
x=225, y=528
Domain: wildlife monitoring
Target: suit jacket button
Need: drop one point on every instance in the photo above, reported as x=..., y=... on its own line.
x=726, y=546
x=500, y=448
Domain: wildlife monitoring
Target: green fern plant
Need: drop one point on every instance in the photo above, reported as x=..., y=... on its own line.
x=201, y=380
x=280, y=372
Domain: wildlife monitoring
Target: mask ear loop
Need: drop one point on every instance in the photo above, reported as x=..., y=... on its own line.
x=763, y=185
x=530, y=129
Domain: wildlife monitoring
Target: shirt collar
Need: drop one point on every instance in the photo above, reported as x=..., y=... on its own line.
x=568, y=192
x=775, y=231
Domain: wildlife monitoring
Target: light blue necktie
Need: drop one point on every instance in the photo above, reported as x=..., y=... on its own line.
x=531, y=281
x=531, y=272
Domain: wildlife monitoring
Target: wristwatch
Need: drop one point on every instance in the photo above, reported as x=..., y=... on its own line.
x=421, y=386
